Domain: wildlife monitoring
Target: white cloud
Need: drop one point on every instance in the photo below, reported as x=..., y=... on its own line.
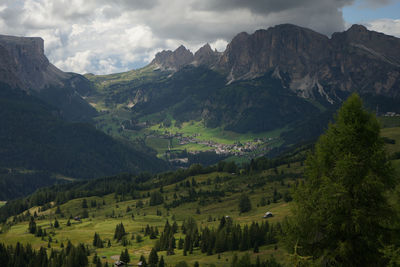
x=219, y=44
x=103, y=36
x=79, y=62
x=387, y=26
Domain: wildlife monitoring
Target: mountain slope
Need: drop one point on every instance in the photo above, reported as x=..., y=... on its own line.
x=35, y=138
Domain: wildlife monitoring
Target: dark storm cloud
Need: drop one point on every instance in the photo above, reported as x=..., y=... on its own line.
x=267, y=6
x=137, y=4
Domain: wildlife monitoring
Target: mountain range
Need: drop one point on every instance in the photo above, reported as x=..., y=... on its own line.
x=306, y=62
x=285, y=78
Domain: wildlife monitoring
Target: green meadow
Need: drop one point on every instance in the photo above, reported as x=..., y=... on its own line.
x=103, y=219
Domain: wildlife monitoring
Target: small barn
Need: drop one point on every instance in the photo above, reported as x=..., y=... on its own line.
x=268, y=214
x=119, y=263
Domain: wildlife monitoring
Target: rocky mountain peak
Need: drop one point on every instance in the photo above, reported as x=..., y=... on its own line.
x=289, y=47
x=357, y=28
x=173, y=60
x=373, y=44
x=206, y=56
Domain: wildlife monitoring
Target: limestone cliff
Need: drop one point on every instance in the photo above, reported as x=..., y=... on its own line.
x=24, y=65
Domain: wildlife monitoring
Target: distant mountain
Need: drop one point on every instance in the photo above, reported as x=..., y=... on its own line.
x=285, y=78
x=173, y=60
x=308, y=63
x=23, y=65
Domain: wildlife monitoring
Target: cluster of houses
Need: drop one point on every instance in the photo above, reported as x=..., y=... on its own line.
x=236, y=149
x=391, y=114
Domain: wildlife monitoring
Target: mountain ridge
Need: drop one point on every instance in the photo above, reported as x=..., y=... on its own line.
x=312, y=62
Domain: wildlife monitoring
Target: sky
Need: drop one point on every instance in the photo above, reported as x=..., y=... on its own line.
x=108, y=36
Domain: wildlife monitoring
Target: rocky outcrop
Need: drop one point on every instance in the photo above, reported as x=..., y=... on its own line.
x=24, y=65
x=290, y=48
x=181, y=57
x=29, y=65
x=173, y=60
x=205, y=56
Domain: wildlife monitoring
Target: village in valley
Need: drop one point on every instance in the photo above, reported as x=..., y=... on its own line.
x=198, y=144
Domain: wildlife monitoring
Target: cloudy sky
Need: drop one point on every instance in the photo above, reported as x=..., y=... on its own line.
x=106, y=36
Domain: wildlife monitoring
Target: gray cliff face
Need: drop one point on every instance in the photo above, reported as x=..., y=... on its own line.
x=205, y=56
x=365, y=61
x=29, y=66
x=287, y=47
x=181, y=57
x=173, y=60
x=314, y=65
x=309, y=63
x=24, y=65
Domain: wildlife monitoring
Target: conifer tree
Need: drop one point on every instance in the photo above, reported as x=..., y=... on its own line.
x=256, y=249
x=153, y=258
x=56, y=223
x=341, y=215
x=58, y=210
x=244, y=203
x=32, y=226
x=119, y=231
x=97, y=242
x=84, y=204
x=125, y=256
x=143, y=260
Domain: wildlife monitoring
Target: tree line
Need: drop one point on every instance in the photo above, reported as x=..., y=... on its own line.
x=20, y=255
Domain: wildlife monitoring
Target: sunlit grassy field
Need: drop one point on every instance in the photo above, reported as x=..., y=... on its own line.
x=392, y=133
x=104, y=218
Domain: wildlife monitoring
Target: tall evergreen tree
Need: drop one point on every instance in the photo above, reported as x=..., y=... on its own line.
x=341, y=215
x=125, y=256
x=143, y=260
x=153, y=258
x=56, y=223
x=244, y=203
x=119, y=231
x=97, y=242
x=32, y=226
x=84, y=204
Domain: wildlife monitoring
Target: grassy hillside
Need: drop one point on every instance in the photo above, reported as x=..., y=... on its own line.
x=268, y=191
x=217, y=194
